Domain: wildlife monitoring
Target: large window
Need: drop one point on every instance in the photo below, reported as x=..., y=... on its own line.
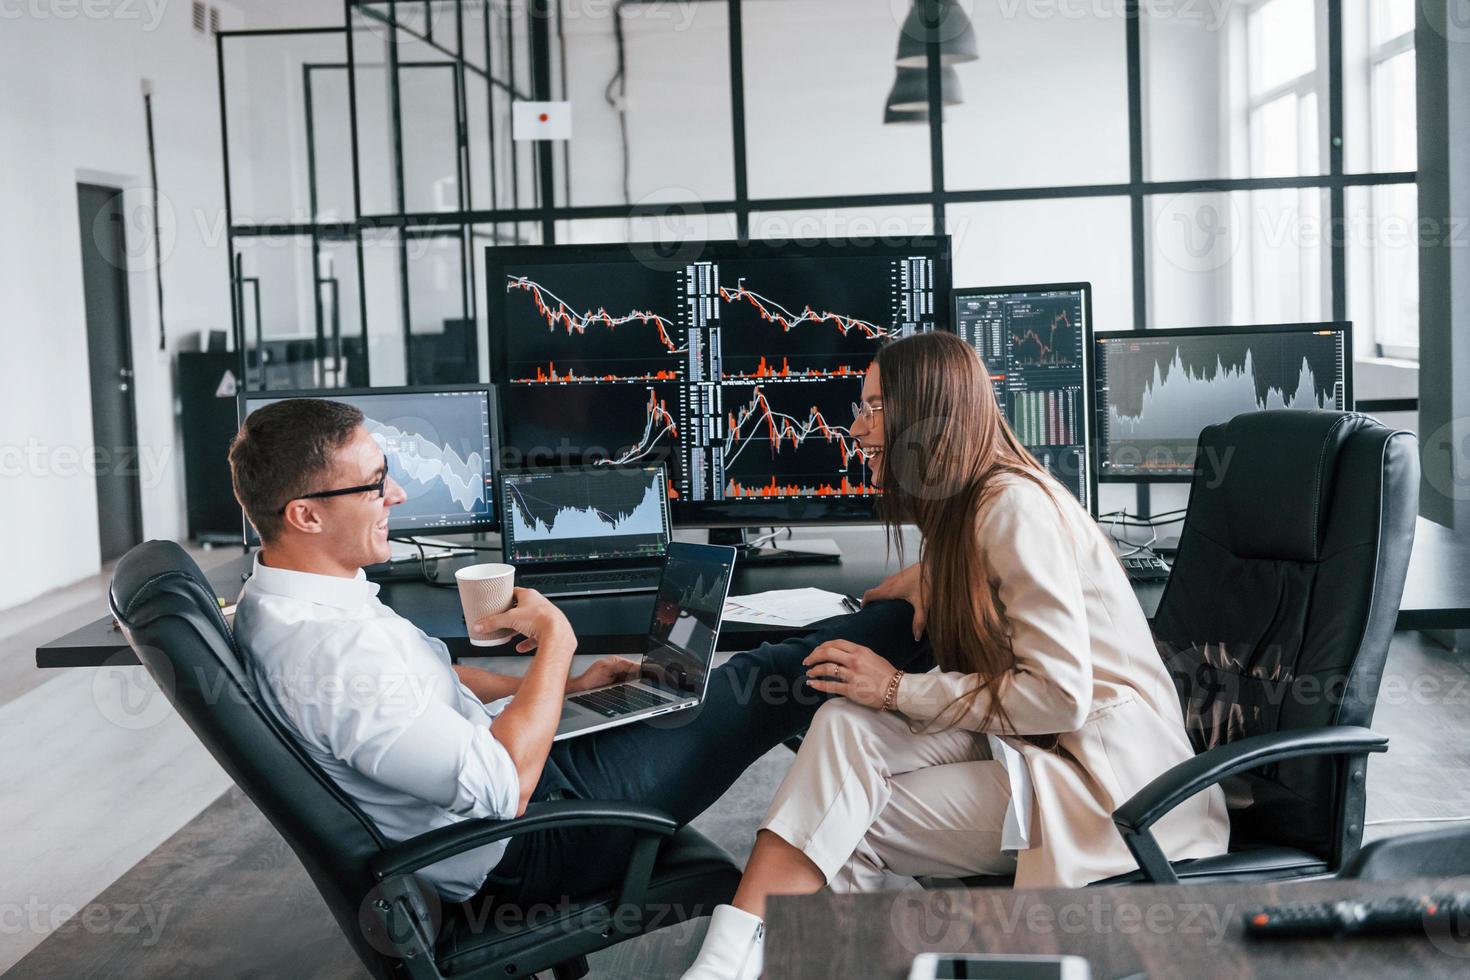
x=1284, y=81
x=1235, y=162
x=1383, y=218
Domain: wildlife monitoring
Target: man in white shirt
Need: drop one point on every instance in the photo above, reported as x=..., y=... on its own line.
x=419, y=742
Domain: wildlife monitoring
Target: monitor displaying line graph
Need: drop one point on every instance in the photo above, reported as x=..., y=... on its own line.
x=791, y=440
x=802, y=318
x=440, y=446
x=570, y=325
x=734, y=364
x=560, y=425
x=1158, y=389
x=582, y=513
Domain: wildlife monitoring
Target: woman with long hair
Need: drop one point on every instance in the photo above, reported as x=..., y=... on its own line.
x=1049, y=708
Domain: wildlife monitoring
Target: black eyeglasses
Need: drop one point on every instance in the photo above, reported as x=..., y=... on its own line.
x=379, y=487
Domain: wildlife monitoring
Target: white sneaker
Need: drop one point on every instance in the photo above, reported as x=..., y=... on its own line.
x=734, y=947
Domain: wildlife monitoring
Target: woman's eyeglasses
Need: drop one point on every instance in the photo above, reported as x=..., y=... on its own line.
x=862, y=411
x=376, y=487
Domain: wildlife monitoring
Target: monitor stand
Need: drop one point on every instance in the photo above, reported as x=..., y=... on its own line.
x=824, y=551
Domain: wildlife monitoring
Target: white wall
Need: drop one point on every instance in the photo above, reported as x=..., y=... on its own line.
x=73, y=111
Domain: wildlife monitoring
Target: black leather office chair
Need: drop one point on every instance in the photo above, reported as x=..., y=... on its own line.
x=1429, y=854
x=396, y=923
x=1275, y=625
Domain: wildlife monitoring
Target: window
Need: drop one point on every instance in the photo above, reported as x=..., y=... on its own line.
x=1381, y=137
x=1229, y=207
x=1237, y=257
x=1283, y=86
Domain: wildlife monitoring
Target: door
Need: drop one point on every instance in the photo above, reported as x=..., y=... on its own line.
x=109, y=351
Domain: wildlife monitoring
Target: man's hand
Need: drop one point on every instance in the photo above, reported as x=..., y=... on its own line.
x=608, y=670
x=907, y=585
x=853, y=671
x=533, y=616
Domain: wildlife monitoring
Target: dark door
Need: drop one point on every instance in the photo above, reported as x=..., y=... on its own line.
x=109, y=350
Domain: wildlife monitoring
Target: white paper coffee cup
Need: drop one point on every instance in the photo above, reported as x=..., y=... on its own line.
x=485, y=590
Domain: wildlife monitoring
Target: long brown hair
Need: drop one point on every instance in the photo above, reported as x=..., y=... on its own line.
x=945, y=443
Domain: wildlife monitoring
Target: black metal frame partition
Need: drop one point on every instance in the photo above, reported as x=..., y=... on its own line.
x=544, y=15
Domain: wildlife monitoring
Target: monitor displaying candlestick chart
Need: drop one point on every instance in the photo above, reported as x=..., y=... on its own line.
x=582, y=513
x=735, y=366
x=1035, y=342
x=440, y=446
x=1156, y=390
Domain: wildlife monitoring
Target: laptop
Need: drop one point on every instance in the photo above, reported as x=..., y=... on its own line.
x=674, y=674
x=586, y=530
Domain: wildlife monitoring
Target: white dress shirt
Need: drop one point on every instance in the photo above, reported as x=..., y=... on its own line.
x=376, y=703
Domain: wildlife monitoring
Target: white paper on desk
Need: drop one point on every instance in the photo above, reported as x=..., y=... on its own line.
x=785, y=607
x=1015, y=834
x=736, y=613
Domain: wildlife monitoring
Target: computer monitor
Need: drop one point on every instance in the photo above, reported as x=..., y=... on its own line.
x=1156, y=390
x=736, y=366
x=440, y=444
x=581, y=513
x=1035, y=342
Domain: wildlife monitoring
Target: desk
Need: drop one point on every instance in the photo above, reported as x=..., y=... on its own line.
x=1152, y=930
x=1436, y=596
x=605, y=624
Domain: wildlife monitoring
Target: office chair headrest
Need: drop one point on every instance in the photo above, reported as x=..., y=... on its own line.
x=1275, y=472
x=154, y=568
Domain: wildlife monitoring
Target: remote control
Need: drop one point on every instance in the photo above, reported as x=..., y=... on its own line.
x=1379, y=916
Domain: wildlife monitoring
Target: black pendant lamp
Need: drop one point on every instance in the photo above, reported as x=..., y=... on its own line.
x=901, y=117
x=910, y=90
x=951, y=28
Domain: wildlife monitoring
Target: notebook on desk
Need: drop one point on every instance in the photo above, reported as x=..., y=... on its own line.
x=586, y=530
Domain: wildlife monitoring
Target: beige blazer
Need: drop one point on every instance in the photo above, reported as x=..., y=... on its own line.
x=1086, y=670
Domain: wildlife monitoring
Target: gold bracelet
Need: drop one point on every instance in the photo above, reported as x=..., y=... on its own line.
x=890, y=697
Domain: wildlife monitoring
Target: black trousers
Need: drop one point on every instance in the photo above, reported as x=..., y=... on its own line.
x=682, y=762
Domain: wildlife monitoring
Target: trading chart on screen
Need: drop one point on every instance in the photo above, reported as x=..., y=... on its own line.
x=1034, y=341
x=1158, y=390
x=736, y=369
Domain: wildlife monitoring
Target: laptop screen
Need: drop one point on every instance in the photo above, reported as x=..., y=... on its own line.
x=585, y=513
x=686, y=617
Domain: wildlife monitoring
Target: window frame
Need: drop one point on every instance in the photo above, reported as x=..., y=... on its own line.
x=505, y=71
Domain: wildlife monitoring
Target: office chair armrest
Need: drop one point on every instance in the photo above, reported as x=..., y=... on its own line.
x=436, y=845
x=1134, y=818
x=1208, y=768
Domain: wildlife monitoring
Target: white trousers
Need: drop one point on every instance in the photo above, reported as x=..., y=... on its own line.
x=866, y=795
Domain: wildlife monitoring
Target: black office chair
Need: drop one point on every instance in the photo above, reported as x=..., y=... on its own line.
x=1429, y=854
x=395, y=922
x=1275, y=625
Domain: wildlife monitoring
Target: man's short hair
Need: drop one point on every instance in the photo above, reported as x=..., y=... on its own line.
x=284, y=450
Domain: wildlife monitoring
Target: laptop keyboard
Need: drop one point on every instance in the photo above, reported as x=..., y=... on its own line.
x=564, y=583
x=615, y=701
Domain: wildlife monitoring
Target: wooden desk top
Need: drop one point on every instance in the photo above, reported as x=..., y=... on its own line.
x=1153, y=930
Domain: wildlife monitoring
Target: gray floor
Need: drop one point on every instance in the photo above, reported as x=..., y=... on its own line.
x=121, y=808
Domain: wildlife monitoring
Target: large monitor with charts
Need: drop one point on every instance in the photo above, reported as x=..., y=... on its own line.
x=440, y=444
x=1156, y=390
x=735, y=366
x=1035, y=342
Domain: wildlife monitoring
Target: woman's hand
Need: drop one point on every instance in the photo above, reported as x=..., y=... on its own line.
x=608, y=670
x=907, y=585
x=853, y=671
